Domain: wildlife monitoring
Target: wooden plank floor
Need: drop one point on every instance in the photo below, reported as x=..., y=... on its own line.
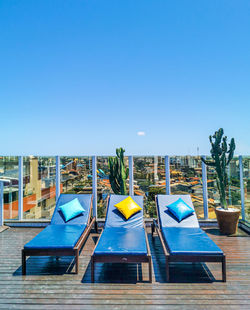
x=50, y=284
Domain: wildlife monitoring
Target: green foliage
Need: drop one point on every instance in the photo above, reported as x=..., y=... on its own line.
x=153, y=191
x=235, y=197
x=101, y=210
x=235, y=182
x=118, y=173
x=248, y=213
x=150, y=207
x=221, y=154
x=141, y=166
x=189, y=171
x=71, y=191
x=248, y=185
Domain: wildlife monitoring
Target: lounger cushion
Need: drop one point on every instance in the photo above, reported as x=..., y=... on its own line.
x=128, y=207
x=71, y=209
x=122, y=241
x=189, y=241
x=57, y=237
x=180, y=209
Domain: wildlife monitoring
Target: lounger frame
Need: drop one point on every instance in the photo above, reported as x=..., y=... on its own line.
x=189, y=258
x=125, y=259
x=63, y=252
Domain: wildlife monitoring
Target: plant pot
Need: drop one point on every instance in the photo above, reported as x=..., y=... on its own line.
x=227, y=220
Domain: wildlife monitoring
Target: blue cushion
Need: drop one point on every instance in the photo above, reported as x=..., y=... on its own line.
x=85, y=201
x=122, y=241
x=189, y=241
x=180, y=209
x=57, y=237
x=71, y=209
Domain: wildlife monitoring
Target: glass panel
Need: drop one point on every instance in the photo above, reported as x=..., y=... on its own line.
x=76, y=175
x=39, y=178
x=103, y=184
x=9, y=171
x=246, y=176
x=149, y=180
x=233, y=189
x=186, y=178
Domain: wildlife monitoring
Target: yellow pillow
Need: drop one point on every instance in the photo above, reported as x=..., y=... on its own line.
x=128, y=207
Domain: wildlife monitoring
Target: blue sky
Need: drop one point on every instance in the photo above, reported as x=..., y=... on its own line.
x=84, y=77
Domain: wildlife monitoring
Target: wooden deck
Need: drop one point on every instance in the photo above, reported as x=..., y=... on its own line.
x=50, y=285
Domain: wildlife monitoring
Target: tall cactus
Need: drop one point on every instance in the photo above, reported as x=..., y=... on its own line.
x=118, y=173
x=221, y=154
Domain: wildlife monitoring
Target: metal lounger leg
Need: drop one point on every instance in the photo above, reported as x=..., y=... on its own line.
x=152, y=229
x=77, y=261
x=96, y=227
x=150, y=268
x=167, y=269
x=23, y=263
x=92, y=270
x=224, y=276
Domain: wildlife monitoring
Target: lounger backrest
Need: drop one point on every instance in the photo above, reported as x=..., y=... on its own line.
x=166, y=219
x=115, y=219
x=85, y=201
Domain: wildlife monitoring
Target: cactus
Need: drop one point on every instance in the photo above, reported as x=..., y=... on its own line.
x=221, y=154
x=118, y=173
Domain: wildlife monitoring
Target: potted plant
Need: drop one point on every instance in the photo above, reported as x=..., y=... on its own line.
x=222, y=154
x=118, y=174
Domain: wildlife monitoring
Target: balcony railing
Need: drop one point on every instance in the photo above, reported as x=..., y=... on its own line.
x=35, y=182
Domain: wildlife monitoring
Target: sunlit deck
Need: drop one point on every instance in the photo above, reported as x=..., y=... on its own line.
x=51, y=284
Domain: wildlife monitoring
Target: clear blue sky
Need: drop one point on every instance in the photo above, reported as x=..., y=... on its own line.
x=84, y=77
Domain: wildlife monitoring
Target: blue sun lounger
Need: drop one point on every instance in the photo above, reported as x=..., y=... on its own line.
x=184, y=241
x=122, y=241
x=60, y=238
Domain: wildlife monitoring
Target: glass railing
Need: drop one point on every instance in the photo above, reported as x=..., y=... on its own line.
x=186, y=178
x=149, y=180
x=39, y=187
x=9, y=171
x=75, y=175
x=103, y=185
x=233, y=195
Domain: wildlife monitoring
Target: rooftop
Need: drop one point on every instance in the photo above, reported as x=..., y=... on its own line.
x=51, y=284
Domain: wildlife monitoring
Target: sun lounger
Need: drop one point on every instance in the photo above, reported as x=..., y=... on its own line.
x=184, y=241
x=62, y=238
x=122, y=241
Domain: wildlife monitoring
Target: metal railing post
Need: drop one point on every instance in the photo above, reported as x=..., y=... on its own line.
x=20, y=188
x=58, y=178
x=131, y=175
x=167, y=173
x=242, y=193
x=204, y=188
x=94, y=185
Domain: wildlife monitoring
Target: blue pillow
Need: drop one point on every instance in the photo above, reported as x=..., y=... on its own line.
x=180, y=209
x=71, y=209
